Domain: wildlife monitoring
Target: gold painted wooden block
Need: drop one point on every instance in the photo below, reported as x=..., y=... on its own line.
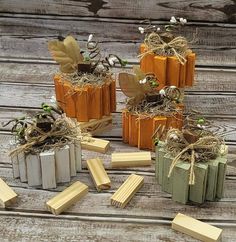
x=7, y=195
x=66, y=198
x=98, y=174
x=196, y=229
x=131, y=159
x=127, y=190
x=94, y=144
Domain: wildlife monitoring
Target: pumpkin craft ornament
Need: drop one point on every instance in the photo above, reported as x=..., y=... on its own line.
x=85, y=88
x=191, y=163
x=167, y=54
x=46, y=149
x=147, y=108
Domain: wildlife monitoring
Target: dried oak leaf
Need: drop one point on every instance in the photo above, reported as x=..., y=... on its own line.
x=66, y=53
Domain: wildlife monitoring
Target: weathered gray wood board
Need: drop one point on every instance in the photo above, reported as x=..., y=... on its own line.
x=211, y=11
x=26, y=37
x=26, y=71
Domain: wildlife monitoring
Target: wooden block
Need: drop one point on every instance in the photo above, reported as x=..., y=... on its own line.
x=7, y=195
x=95, y=102
x=78, y=156
x=132, y=159
x=167, y=181
x=190, y=69
x=98, y=174
x=133, y=130
x=197, y=192
x=182, y=75
x=48, y=168
x=125, y=126
x=14, y=161
x=212, y=180
x=62, y=158
x=22, y=167
x=94, y=144
x=180, y=187
x=172, y=71
x=196, y=229
x=82, y=113
x=160, y=152
x=221, y=176
x=106, y=102
x=15, y=166
x=127, y=190
x=69, y=99
x=145, y=132
x=72, y=160
x=68, y=197
x=96, y=126
x=34, y=172
x=113, y=96
x=160, y=63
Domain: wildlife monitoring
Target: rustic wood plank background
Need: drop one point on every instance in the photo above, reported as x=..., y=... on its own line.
x=26, y=71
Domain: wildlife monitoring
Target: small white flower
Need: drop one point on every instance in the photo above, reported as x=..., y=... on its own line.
x=143, y=81
x=173, y=136
x=183, y=20
x=112, y=60
x=100, y=67
x=201, y=126
x=53, y=99
x=173, y=20
x=90, y=37
x=158, y=29
x=141, y=30
x=173, y=87
x=162, y=92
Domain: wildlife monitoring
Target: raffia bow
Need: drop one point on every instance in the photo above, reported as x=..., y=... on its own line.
x=204, y=143
x=177, y=47
x=64, y=129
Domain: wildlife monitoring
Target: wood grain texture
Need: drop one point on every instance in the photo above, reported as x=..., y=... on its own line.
x=148, y=202
x=27, y=37
x=216, y=11
x=116, y=146
x=26, y=71
x=213, y=79
x=25, y=96
x=69, y=228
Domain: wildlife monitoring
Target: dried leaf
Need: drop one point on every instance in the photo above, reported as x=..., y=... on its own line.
x=130, y=85
x=73, y=49
x=60, y=55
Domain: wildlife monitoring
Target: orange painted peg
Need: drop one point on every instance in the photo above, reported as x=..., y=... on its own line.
x=70, y=99
x=59, y=91
x=133, y=130
x=94, y=102
x=160, y=63
x=125, y=126
x=145, y=131
x=159, y=121
x=82, y=106
x=113, y=96
x=172, y=71
x=182, y=75
x=190, y=69
x=106, y=102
